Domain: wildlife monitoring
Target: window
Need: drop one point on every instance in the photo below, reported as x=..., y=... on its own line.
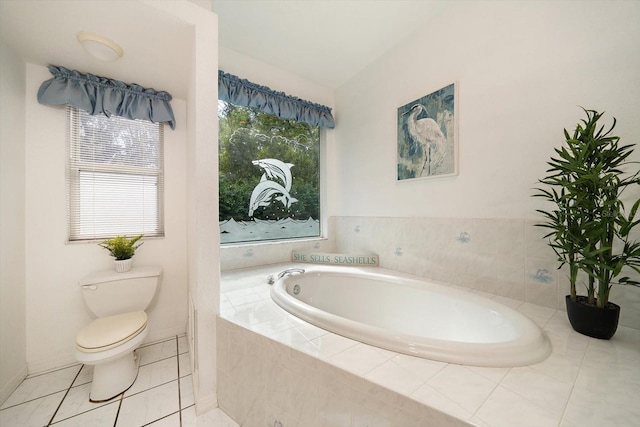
x=269, y=176
x=114, y=176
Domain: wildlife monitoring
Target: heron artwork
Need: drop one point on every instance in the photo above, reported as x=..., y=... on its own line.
x=427, y=133
x=426, y=136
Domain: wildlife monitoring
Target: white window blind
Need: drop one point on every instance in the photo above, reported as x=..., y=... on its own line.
x=114, y=176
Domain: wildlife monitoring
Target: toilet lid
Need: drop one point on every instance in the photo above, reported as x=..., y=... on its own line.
x=112, y=330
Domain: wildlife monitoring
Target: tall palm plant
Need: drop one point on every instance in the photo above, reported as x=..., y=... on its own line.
x=589, y=229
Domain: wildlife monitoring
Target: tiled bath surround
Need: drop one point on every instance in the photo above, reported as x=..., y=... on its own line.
x=263, y=382
x=276, y=370
x=505, y=257
x=233, y=257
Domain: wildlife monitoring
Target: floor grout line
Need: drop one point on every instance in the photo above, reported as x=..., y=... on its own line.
x=81, y=371
x=179, y=391
x=156, y=361
x=119, y=397
x=32, y=400
x=118, y=411
x=62, y=368
x=65, y=396
x=150, y=388
x=161, y=418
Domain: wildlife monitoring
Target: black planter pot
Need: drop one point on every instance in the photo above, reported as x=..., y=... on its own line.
x=593, y=321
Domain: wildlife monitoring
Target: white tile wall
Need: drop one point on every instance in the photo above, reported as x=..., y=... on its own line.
x=243, y=256
x=265, y=382
x=504, y=257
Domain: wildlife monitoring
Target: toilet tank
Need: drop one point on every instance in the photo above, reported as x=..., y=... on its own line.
x=107, y=293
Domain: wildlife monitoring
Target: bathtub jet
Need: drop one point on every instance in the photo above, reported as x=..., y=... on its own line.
x=401, y=313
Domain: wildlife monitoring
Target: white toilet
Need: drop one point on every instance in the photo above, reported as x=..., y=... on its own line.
x=118, y=301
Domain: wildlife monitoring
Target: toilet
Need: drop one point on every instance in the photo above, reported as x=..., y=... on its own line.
x=118, y=302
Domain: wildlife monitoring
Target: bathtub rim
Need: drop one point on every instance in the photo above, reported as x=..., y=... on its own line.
x=530, y=347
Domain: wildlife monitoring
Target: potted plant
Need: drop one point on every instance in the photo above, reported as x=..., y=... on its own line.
x=589, y=227
x=122, y=248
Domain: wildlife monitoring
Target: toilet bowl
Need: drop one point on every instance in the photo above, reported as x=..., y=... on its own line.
x=108, y=343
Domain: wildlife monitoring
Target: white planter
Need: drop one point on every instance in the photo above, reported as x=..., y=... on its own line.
x=123, y=265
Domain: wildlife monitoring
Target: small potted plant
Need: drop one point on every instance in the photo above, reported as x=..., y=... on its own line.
x=589, y=228
x=122, y=248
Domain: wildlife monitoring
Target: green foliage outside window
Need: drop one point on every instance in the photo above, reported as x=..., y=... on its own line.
x=247, y=135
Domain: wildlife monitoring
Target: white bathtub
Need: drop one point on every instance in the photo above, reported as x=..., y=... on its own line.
x=400, y=313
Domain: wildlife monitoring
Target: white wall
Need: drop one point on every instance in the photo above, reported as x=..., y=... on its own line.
x=245, y=67
x=203, y=232
x=201, y=196
x=522, y=69
x=42, y=308
x=55, y=309
x=13, y=359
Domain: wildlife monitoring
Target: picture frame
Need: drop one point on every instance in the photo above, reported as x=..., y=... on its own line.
x=427, y=144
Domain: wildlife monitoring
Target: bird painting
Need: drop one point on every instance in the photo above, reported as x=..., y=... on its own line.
x=427, y=133
x=426, y=143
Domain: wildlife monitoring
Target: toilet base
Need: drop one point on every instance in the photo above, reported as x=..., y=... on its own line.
x=114, y=370
x=106, y=384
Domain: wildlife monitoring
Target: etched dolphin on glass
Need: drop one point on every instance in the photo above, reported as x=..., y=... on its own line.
x=276, y=169
x=264, y=193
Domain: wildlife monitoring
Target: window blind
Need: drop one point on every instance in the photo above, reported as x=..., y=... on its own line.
x=114, y=177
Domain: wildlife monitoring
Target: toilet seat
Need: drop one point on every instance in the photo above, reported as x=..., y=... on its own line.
x=109, y=332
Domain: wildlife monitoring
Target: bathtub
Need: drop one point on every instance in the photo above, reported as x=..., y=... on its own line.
x=401, y=313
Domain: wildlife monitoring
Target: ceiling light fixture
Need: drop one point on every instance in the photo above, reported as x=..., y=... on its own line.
x=99, y=47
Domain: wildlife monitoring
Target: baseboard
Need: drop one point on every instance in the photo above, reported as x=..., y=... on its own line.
x=164, y=334
x=206, y=404
x=47, y=365
x=12, y=384
x=203, y=403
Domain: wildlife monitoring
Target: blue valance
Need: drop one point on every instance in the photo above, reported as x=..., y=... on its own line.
x=100, y=95
x=247, y=94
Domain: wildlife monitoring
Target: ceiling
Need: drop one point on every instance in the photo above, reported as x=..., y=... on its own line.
x=325, y=41
x=156, y=44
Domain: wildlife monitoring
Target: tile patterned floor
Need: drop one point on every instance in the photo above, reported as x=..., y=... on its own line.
x=162, y=396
